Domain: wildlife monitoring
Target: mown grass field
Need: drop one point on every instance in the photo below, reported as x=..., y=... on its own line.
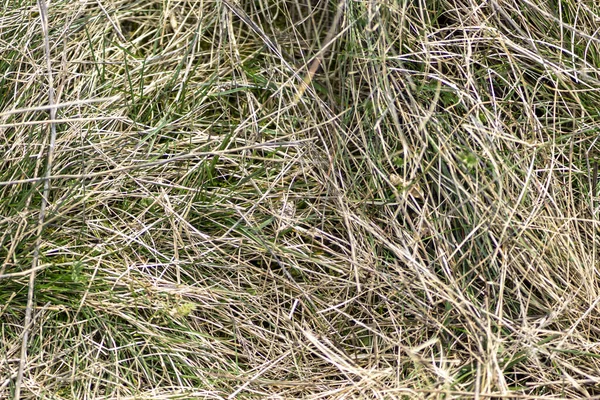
x=363, y=199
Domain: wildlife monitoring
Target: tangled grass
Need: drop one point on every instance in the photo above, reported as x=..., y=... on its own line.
x=283, y=199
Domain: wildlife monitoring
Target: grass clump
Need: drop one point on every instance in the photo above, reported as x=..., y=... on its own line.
x=299, y=199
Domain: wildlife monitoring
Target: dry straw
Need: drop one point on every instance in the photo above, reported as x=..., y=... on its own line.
x=285, y=199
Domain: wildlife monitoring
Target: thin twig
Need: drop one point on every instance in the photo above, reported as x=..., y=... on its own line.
x=314, y=66
x=242, y=15
x=58, y=105
x=27, y=326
